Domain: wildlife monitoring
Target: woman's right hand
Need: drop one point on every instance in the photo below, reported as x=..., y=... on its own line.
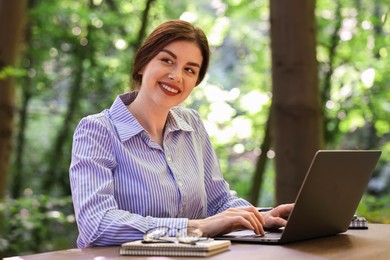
x=230, y=220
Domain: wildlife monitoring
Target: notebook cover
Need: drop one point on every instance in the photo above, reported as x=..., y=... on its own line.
x=201, y=248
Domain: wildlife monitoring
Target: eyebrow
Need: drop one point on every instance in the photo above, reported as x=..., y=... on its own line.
x=175, y=57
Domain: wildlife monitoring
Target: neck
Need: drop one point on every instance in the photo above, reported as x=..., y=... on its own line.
x=151, y=119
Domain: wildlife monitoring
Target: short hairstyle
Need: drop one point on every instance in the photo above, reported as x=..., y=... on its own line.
x=166, y=33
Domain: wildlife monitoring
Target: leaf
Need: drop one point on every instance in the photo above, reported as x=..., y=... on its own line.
x=10, y=71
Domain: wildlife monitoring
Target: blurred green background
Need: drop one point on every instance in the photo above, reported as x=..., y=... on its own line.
x=77, y=58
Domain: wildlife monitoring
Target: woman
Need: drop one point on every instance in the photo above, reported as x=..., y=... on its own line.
x=147, y=162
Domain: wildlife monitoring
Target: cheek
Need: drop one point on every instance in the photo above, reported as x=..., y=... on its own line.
x=151, y=72
x=192, y=81
x=189, y=89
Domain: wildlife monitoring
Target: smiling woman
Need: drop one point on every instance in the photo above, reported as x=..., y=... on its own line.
x=170, y=31
x=174, y=72
x=147, y=162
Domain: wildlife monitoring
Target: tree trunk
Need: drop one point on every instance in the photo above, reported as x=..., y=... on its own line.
x=144, y=24
x=296, y=115
x=12, y=15
x=26, y=93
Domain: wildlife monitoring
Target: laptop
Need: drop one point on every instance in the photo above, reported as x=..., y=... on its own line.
x=326, y=201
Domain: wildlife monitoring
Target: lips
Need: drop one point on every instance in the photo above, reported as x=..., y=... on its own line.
x=169, y=90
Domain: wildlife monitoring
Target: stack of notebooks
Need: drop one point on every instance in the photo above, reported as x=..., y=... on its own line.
x=201, y=248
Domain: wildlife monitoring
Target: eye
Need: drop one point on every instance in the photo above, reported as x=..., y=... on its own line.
x=190, y=70
x=167, y=60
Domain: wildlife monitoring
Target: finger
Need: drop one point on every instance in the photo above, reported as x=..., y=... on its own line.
x=250, y=216
x=241, y=222
x=258, y=227
x=283, y=210
x=257, y=214
x=259, y=220
x=256, y=221
x=279, y=222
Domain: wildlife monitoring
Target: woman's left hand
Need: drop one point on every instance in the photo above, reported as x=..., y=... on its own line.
x=276, y=217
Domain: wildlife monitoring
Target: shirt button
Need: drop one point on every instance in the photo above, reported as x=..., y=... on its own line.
x=169, y=159
x=180, y=183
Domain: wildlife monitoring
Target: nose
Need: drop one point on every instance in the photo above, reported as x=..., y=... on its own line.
x=176, y=75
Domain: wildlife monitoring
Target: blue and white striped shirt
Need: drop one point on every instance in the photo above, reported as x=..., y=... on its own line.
x=123, y=183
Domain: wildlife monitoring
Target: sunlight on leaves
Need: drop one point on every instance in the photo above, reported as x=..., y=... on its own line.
x=120, y=44
x=254, y=101
x=368, y=77
x=220, y=112
x=189, y=17
x=219, y=30
x=242, y=127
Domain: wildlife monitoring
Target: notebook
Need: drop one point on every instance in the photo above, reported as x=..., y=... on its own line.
x=202, y=248
x=327, y=200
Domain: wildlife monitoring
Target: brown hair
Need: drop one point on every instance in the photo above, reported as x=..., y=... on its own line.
x=164, y=34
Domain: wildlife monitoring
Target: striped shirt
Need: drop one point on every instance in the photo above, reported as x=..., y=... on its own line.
x=123, y=183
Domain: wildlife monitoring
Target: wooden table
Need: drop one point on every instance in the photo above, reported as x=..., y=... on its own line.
x=372, y=244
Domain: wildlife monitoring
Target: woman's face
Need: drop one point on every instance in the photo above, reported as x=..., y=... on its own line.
x=172, y=74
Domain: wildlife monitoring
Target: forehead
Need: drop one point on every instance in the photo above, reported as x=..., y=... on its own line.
x=185, y=50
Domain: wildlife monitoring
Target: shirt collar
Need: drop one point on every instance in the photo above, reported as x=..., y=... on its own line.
x=175, y=122
x=128, y=126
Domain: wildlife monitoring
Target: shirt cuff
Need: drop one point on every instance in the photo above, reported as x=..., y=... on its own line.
x=173, y=223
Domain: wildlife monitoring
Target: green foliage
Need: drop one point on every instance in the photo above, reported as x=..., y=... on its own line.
x=375, y=209
x=37, y=223
x=98, y=39
x=11, y=72
x=355, y=97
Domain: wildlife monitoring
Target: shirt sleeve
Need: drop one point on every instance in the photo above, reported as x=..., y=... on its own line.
x=100, y=221
x=219, y=195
